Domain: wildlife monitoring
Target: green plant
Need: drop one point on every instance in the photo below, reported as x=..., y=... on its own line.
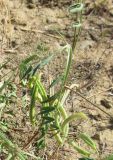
x=7, y=92
x=11, y=150
x=51, y=116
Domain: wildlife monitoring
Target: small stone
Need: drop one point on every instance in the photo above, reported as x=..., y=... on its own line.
x=105, y=103
x=96, y=137
x=31, y=6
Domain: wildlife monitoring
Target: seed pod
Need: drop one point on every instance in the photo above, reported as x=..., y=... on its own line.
x=75, y=116
x=80, y=150
x=88, y=141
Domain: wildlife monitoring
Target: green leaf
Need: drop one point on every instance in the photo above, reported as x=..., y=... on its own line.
x=46, y=110
x=29, y=59
x=24, y=66
x=42, y=64
x=54, y=97
x=48, y=119
x=40, y=143
x=56, y=81
x=27, y=72
x=23, y=69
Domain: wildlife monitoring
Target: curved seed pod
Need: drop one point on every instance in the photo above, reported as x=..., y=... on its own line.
x=80, y=150
x=76, y=8
x=62, y=109
x=62, y=112
x=41, y=89
x=75, y=116
x=56, y=114
x=32, y=105
x=88, y=141
x=57, y=120
x=41, y=95
x=64, y=116
x=58, y=138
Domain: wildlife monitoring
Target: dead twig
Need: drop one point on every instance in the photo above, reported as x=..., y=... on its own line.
x=38, y=31
x=11, y=51
x=31, y=139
